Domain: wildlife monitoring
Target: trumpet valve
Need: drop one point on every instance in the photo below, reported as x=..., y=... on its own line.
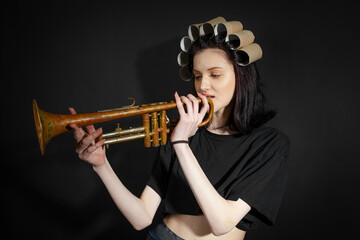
x=118, y=128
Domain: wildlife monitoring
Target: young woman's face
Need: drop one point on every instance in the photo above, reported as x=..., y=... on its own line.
x=215, y=77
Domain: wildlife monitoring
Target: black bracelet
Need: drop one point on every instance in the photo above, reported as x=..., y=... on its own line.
x=180, y=141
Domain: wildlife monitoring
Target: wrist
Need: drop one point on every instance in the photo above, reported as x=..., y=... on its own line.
x=179, y=142
x=101, y=167
x=181, y=146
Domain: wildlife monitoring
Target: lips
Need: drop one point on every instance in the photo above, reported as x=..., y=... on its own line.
x=209, y=96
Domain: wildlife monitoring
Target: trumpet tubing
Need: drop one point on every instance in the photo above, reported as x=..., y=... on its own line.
x=154, y=130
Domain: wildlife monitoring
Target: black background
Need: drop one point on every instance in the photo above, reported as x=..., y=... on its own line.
x=94, y=55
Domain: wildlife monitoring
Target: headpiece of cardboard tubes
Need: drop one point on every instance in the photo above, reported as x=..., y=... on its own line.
x=232, y=32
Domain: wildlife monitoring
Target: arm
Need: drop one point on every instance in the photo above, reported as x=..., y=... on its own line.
x=138, y=211
x=222, y=215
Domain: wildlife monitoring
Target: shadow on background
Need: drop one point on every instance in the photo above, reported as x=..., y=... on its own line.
x=158, y=72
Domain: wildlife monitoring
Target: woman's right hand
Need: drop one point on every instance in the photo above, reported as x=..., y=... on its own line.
x=87, y=149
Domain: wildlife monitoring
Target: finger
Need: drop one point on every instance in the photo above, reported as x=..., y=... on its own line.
x=204, y=101
x=78, y=132
x=188, y=104
x=205, y=106
x=90, y=129
x=195, y=103
x=87, y=141
x=72, y=110
x=93, y=148
x=179, y=105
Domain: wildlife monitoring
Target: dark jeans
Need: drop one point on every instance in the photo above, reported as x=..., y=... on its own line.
x=162, y=232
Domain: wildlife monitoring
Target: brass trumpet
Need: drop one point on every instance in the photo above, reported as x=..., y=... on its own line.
x=156, y=124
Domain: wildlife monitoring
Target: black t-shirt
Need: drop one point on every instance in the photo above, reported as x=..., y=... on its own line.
x=251, y=167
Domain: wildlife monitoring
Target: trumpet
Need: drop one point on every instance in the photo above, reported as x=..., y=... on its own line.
x=155, y=124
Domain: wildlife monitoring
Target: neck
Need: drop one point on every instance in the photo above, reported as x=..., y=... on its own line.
x=220, y=122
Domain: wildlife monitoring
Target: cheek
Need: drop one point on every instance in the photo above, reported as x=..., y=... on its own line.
x=228, y=88
x=232, y=84
x=233, y=87
x=197, y=86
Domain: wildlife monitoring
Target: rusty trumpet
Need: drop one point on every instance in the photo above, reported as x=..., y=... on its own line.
x=154, y=130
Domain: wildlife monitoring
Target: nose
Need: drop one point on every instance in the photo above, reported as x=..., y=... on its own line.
x=204, y=84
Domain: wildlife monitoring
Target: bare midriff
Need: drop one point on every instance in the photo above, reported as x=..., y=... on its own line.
x=197, y=228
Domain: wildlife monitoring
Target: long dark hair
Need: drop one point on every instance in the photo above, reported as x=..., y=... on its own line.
x=250, y=106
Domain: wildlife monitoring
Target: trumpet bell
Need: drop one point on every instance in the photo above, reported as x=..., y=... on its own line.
x=38, y=116
x=48, y=125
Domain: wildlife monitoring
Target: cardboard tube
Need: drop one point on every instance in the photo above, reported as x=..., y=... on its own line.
x=183, y=58
x=227, y=28
x=249, y=54
x=185, y=43
x=216, y=20
x=185, y=74
x=193, y=32
x=240, y=39
x=207, y=29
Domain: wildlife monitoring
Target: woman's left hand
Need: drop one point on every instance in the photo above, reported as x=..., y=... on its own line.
x=189, y=119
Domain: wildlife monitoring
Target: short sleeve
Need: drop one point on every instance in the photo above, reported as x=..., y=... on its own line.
x=263, y=186
x=159, y=176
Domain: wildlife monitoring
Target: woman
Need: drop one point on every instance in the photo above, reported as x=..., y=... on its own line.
x=217, y=181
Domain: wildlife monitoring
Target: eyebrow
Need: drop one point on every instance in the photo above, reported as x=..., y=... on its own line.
x=212, y=68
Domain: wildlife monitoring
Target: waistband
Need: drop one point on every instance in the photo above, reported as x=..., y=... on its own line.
x=162, y=232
